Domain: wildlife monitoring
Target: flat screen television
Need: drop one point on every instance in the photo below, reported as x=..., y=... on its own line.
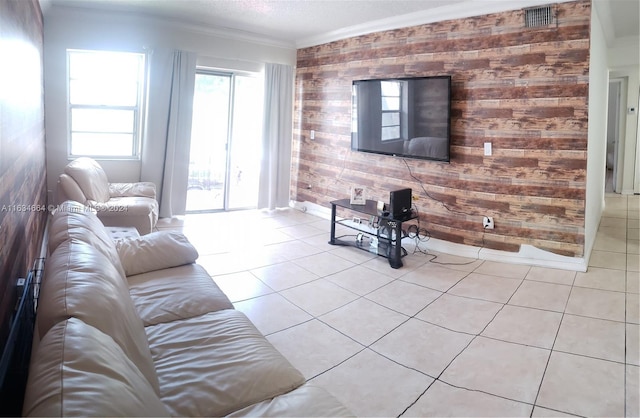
x=404, y=117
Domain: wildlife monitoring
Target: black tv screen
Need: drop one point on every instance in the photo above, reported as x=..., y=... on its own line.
x=405, y=117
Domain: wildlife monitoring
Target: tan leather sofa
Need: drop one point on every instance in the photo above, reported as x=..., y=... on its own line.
x=134, y=328
x=117, y=204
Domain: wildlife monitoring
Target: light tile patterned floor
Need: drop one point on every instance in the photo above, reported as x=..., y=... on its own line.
x=459, y=338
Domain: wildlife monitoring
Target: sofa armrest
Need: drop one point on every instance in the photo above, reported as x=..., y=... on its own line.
x=155, y=251
x=139, y=189
x=68, y=189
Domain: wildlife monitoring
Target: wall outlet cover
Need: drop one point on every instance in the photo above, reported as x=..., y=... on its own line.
x=487, y=222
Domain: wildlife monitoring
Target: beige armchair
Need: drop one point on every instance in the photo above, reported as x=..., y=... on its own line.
x=117, y=204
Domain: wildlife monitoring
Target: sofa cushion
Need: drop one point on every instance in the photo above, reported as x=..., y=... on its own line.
x=90, y=177
x=305, y=401
x=224, y=361
x=175, y=293
x=79, y=282
x=155, y=251
x=77, y=221
x=80, y=371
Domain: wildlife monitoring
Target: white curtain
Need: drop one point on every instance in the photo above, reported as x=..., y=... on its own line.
x=275, y=169
x=165, y=157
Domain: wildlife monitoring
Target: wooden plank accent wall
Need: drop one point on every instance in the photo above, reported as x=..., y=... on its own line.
x=23, y=193
x=525, y=90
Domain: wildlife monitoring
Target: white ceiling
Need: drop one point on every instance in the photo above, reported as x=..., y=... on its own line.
x=301, y=23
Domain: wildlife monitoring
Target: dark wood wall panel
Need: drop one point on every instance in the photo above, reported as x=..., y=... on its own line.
x=23, y=197
x=524, y=90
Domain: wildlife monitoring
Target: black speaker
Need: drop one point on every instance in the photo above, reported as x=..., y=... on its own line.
x=400, y=204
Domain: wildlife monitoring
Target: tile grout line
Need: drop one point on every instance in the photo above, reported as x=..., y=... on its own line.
x=546, y=366
x=395, y=279
x=626, y=261
x=463, y=350
x=460, y=353
x=369, y=346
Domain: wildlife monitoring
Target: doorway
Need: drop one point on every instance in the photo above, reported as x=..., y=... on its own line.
x=224, y=163
x=615, y=134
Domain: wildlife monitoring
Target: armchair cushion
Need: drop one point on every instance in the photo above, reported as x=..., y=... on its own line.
x=90, y=177
x=117, y=206
x=140, y=189
x=155, y=251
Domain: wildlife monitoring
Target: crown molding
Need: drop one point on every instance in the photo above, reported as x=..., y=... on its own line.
x=466, y=9
x=228, y=33
x=177, y=24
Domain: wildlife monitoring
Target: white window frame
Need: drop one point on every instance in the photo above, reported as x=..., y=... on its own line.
x=397, y=112
x=138, y=110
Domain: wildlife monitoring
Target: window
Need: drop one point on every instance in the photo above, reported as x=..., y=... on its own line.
x=390, y=91
x=105, y=95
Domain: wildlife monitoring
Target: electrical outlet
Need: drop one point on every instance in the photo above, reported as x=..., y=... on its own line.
x=487, y=222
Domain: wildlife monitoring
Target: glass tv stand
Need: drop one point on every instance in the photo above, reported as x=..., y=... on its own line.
x=378, y=233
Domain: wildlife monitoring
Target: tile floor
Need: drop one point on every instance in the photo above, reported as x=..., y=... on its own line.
x=452, y=337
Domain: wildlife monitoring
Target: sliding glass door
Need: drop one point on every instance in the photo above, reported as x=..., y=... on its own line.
x=225, y=142
x=245, y=151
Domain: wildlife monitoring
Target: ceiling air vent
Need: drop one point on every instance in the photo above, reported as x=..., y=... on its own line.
x=536, y=17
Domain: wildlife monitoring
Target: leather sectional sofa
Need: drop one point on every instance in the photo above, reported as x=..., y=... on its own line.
x=134, y=327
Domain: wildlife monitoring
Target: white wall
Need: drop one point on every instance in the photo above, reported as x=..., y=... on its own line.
x=68, y=28
x=624, y=53
x=597, y=133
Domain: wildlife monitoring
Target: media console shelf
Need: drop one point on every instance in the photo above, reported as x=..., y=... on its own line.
x=384, y=240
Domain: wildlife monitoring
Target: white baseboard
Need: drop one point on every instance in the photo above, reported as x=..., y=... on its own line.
x=312, y=209
x=531, y=255
x=528, y=254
